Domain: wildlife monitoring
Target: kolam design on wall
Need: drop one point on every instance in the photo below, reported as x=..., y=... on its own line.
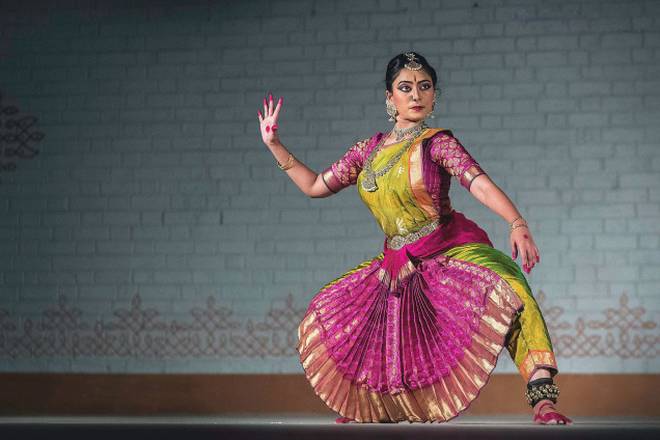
x=213, y=332
x=17, y=136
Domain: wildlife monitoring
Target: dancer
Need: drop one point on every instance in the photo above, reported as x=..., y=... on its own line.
x=414, y=333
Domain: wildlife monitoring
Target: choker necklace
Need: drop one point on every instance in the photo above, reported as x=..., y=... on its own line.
x=414, y=130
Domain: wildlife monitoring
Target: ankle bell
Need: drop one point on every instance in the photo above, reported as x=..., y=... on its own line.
x=540, y=389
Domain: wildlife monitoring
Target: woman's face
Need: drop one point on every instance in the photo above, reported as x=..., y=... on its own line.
x=412, y=95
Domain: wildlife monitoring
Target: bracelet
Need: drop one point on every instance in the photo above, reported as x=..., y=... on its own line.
x=523, y=225
x=513, y=226
x=288, y=164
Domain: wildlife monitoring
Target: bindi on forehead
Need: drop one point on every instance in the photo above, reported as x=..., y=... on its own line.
x=416, y=77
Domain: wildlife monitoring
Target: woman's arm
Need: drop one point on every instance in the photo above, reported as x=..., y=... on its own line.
x=488, y=193
x=309, y=182
x=520, y=239
x=448, y=152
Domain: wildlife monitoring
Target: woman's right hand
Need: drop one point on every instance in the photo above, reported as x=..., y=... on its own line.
x=268, y=121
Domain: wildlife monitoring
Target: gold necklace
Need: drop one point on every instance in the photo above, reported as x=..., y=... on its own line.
x=369, y=180
x=414, y=130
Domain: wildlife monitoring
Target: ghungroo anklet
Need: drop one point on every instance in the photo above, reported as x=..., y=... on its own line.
x=540, y=389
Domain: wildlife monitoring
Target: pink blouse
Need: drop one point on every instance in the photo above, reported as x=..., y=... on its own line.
x=443, y=157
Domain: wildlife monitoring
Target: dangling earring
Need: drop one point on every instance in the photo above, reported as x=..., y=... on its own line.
x=432, y=109
x=391, y=110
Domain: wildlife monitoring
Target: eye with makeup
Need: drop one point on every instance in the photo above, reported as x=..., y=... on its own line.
x=406, y=88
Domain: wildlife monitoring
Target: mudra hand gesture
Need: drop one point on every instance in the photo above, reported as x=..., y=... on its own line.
x=522, y=243
x=268, y=121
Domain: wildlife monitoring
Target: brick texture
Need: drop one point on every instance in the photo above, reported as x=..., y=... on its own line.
x=151, y=183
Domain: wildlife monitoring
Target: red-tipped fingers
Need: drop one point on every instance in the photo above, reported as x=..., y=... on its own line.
x=277, y=108
x=260, y=115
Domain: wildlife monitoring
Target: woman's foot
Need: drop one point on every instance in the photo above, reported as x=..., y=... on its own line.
x=343, y=420
x=545, y=413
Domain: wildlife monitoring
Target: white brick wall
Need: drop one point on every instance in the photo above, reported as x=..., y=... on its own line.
x=152, y=179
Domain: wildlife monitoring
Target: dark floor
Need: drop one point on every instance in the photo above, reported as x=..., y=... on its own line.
x=320, y=428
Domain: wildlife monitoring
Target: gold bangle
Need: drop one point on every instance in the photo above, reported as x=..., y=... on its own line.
x=514, y=220
x=519, y=225
x=512, y=225
x=288, y=164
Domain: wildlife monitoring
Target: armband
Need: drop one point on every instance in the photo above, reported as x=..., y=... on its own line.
x=468, y=176
x=331, y=180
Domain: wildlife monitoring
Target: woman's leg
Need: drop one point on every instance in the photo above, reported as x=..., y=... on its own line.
x=528, y=340
x=530, y=347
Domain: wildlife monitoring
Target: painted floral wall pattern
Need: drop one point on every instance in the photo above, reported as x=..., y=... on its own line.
x=211, y=331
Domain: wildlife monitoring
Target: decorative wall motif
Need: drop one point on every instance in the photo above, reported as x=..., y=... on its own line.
x=17, y=136
x=140, y=332
x=622, y=332
x=212, y=331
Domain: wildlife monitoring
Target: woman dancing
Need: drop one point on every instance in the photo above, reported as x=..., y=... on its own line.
x=414, y=333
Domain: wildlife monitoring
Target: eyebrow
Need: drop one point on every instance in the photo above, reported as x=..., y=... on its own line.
x=404, y=81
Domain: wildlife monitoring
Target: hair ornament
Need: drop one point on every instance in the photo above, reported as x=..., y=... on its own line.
x=412, y=63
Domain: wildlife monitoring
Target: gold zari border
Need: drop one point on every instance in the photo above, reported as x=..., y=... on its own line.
x=416, y=180
x=437, y=402
x=536, y=359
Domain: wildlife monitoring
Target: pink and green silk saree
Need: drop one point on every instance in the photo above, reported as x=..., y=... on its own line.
x=415, y=332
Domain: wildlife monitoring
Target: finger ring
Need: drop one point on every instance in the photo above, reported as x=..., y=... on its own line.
x=267, y=128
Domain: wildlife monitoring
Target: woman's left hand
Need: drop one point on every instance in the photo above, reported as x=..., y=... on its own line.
x=522, y=243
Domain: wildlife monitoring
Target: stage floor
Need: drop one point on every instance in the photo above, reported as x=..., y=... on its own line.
x=320, y=427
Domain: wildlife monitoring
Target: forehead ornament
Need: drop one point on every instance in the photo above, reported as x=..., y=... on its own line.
x=412, y=63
